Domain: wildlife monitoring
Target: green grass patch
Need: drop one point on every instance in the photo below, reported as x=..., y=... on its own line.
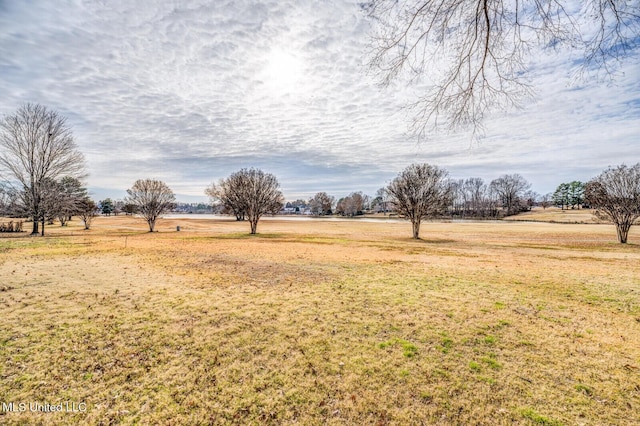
x=490, y=340
x=531, y=414
x=584, y=389
x=475, y=367
x=446, y=344
x=409, y=350
x=492, y=362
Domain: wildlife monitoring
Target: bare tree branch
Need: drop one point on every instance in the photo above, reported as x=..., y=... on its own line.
x=475, y=52
x=36, y=148
x=615, y=193
x=418, y=192
x=249, y=192
x=152, y=197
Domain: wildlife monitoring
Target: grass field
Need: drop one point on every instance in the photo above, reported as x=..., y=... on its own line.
x=556, y=215
x=336, y=322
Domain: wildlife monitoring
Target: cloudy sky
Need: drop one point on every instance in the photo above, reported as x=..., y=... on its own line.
x=191, y=91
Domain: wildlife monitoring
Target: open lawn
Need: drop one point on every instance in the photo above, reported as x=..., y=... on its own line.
x=556, y=215
x=312, y=321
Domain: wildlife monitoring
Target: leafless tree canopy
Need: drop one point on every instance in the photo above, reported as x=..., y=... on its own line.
x=36, y=147
x=321, y=204
x=249, y=192
x=353, y=204
x=473, y=198
x=87, y=210
x=9, y=200
x=510, y=189
x=64, y=198
x=616, y=195
x=152, y=197
x=420, y=191
x=476, y=50
x=228, y=192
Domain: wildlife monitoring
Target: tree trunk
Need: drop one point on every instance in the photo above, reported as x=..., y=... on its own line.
x=152, y=224
x=254, y=225
x=35, y=226
x=416, y=228
x=623, y=231
x=43, y=220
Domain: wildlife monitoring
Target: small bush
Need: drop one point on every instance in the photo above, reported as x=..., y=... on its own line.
x=11, y=226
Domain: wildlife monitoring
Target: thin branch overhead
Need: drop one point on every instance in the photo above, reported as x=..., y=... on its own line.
x=473, y=54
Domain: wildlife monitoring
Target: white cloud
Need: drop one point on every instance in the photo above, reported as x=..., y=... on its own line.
x=190, y=91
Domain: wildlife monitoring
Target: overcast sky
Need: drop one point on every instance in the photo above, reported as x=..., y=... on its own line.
x=190, y=91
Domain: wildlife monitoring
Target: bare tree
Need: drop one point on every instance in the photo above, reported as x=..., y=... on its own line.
x=353, y=204
x=420, y=191
x=545, y=200
x=529, y=199
x=70, y=193
x=249, y=192
x=152, y=197
x=9, y=201
x=510, y=189
x=477, y=195
x=321, y=204
x=36, y=145
x=87, y=210
x=615, y=193
x=476, y=51
x=227, y=192
x=50, y=202
x=382, y=195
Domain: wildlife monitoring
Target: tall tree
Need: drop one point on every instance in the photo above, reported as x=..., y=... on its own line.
x=576, y=194
x=353, y=204
x=420, y=191
x=226, y=192
x=480, y=202
x=152, y=198
x=510, y=189
x=615, y=193
x=71, y=194
x=51, y=202
x=249, y=192
x=569, y=194
x=321, y=204
x=561, y=195
x=36, y=147
x=106, y=206
x=476, y=52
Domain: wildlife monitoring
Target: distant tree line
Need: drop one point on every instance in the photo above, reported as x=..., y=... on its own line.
x=507, y=195
x=42, y=172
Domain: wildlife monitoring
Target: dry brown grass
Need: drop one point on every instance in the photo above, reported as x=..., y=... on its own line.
x=339, y=322
x=554, y=214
